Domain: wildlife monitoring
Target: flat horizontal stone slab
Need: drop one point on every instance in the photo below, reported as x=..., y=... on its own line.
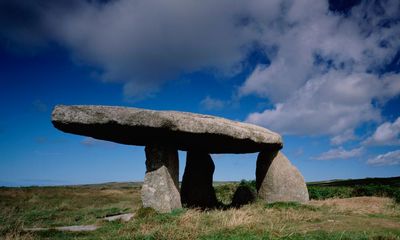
x=181, y=130
x=82, y=228
x=123, y=217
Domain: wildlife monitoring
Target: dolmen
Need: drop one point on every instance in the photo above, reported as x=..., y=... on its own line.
x=163, y=133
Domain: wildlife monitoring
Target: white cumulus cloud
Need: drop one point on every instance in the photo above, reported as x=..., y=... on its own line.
x=325, y=76
x=145, y=43
x=325, y=72
x=340, y=153
x=387, y=159
x=386, y=134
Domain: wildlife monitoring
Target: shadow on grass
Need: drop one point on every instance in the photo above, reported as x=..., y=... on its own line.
x=290, y=205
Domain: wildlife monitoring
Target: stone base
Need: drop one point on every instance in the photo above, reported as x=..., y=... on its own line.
x=278, y=180
x=158, y=156
x=197, y=189
x=159, y=191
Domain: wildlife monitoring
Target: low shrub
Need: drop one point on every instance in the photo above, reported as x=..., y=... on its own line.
x=249, y=183
x=324, y=192
x=225, y=192
x=321, y=192
x=396, y=196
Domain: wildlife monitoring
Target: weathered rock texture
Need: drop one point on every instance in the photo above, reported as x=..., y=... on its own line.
x=158, y=156
x=184, y=131
x=278, y=180
x=197, y=189
x=160, y=189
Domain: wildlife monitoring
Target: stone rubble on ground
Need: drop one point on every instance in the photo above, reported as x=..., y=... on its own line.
x=125, y=217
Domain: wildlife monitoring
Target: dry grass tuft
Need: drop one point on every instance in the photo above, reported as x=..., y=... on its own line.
x=359, y=205
x=191, y=219
x=236, y=217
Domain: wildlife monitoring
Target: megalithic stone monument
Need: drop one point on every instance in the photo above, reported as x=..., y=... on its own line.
x=163, y=133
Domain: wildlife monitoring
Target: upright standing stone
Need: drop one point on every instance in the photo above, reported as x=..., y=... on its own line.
x=197, y=189
x=160, y=189
x=277, y=180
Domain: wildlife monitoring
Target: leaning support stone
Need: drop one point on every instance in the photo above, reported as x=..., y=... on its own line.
x=277, y=180
x=197, y=189
x=160, y=189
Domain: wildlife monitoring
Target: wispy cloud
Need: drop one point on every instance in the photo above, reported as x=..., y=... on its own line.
x=49, y=140
x=341, y=138
x=209, y=103
x=92, y=142
x=340, y=153
x=387, y=159
x=299, y=152
x=387, y=133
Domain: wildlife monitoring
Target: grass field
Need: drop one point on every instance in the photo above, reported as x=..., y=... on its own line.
x=333, y=216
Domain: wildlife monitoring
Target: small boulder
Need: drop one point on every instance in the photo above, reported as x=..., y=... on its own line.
x=242, y=196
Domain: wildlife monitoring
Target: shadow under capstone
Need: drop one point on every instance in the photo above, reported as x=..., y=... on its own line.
x=197, y=189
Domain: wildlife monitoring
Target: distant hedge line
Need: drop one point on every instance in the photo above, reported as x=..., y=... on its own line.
x=324, y=192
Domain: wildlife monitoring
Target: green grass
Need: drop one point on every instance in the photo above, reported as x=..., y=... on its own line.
x=234, y=234
x=323, y=235
x=60, y=206
x=239, y=234
x=334, y=218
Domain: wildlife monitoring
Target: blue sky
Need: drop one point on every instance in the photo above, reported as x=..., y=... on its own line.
x=324, y=74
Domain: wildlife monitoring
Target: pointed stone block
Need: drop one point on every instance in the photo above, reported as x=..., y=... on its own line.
x=277, y=180
x=160, y=189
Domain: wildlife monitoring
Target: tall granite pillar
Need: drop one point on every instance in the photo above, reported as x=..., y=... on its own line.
x=197, y=189
x=160, y=189
x=277, y=180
